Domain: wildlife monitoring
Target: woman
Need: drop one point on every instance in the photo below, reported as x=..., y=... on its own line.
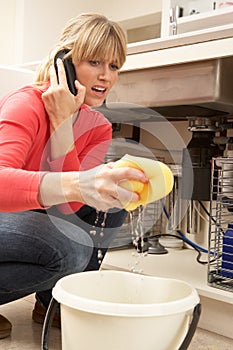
x=58, y=202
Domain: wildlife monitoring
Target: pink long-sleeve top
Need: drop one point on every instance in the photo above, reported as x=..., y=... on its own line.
x=25, y=151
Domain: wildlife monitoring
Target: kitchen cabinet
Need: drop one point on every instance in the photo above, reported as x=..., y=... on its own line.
x=199, y=46
x=183, y=16
x=200, y=39
x=196, y=15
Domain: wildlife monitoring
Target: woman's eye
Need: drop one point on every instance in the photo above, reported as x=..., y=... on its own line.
x=94, y=63
x=114, y=67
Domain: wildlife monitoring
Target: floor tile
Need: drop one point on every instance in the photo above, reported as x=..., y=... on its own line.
x=26, y=334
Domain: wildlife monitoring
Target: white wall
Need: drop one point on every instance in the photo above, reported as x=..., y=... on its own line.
x=13, y=78
x=120, y=10
x=43, y=21
x=7, y=30
x=29, y=28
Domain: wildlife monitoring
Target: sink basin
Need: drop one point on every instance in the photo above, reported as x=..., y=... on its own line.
x=203, y=88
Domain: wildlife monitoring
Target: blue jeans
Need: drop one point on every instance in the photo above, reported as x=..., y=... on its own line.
x=37, y=249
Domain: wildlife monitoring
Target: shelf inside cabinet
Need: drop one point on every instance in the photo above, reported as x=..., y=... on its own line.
x=215, y=18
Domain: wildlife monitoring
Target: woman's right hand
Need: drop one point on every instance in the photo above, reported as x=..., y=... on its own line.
x=100, y=186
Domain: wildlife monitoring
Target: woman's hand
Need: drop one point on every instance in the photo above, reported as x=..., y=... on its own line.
x=99, y=187
x=59, y=102
x=61, y=105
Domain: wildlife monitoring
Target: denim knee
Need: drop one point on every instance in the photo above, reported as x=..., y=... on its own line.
x=76, y=259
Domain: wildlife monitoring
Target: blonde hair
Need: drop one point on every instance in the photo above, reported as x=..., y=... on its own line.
x=88, y=36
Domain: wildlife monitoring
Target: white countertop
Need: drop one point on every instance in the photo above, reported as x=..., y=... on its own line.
x=178, y=264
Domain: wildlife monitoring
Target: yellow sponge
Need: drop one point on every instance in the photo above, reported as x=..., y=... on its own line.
x=160, y=180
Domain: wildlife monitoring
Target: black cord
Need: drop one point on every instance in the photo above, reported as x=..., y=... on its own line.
x=206, y=211
x=210, y=216
x=199, y=253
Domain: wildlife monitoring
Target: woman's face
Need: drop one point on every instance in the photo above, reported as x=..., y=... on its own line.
x=98, y=77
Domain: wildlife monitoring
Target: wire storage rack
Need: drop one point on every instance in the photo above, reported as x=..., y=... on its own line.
x=220, y=261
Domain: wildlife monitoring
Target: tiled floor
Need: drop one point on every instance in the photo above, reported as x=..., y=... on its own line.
x=26, y=335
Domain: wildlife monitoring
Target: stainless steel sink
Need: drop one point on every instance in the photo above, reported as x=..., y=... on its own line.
x=202, y=88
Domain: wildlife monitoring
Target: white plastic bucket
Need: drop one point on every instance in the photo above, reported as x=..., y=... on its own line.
x=114, y=310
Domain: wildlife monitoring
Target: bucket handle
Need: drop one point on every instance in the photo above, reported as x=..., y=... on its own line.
x=53, y=306
x=192, y=328
x=47, y=323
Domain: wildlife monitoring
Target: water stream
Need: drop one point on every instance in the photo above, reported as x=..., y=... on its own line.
x=136, y=222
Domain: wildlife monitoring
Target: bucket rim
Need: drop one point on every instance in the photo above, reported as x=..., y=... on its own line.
x=184, y=305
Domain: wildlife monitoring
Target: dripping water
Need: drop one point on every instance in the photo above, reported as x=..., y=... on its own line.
x=93, y=232
x=137, y=235
x=136, y=223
